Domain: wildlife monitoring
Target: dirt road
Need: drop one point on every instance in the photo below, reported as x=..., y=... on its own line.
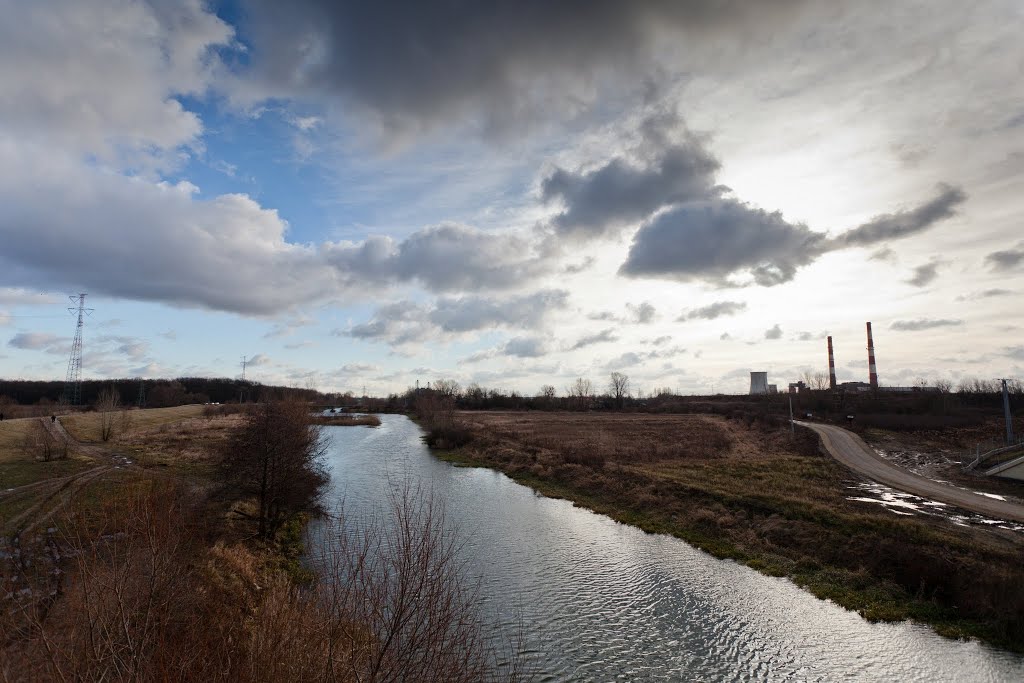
x=849, y=449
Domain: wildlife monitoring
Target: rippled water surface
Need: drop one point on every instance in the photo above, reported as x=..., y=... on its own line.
x=601, y=601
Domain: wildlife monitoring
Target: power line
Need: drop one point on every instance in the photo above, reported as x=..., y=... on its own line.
x=73, y=382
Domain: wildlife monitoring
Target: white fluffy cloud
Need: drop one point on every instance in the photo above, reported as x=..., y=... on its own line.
x=101, y=78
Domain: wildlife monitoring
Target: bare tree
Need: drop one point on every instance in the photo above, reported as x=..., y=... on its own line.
x=396, y=575
x=276, y=456
x=618, y=387
x=448, y=388
x=580, y=391
x=107, y=405
x=819, y=381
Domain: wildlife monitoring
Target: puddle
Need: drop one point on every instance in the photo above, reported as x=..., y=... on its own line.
x=907, y=504
x=923, y=464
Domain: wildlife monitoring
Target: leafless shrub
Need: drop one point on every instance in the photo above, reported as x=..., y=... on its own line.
x=124, y=596
x=41, y=443
x=395, y=584
x=580, y=393
x=107, y=405
x=276, y=456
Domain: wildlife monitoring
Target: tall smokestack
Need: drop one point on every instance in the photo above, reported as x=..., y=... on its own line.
x=831, y=366
x=872, y=372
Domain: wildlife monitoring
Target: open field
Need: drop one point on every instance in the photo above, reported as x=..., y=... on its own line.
x=751, y=492
x=12, y=437
x=85, y=427
x=185, y=445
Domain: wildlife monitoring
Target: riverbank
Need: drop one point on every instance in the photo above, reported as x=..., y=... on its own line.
x=153, y=563
x=753, y=493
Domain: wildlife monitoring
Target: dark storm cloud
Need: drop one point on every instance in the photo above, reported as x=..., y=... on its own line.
x=725, y=239
x=924, y=274
x=904, y=223
x=1007, y=259
x=636, y=314
x=414, y=64
x=599, y=338
x=712, y=311
x=622, y=192
x=442, y=258
x=405, y=322
x=715, y=239
x=923, y=324
x=40, y=341
x=473, y=313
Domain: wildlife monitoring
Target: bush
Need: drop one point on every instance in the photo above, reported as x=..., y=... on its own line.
x=448, y=437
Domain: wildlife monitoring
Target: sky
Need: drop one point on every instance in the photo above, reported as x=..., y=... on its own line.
x=359, y=196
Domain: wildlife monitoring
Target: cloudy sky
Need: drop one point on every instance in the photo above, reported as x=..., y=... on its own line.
x=514, y=192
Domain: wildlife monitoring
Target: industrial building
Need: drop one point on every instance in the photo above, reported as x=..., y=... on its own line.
x=758, y=383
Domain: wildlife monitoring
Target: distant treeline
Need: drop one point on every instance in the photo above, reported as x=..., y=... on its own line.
x=970, y=397
x=973, y=404
x=156, y=393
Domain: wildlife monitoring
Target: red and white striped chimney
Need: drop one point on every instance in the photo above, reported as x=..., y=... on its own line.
x=872, y=372
x=831, y=366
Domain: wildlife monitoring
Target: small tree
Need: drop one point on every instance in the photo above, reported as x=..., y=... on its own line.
x=448, y=388
x=107, y=404
x=618, y=387
x=580, y=391
x=276, y=456
x=547, y=396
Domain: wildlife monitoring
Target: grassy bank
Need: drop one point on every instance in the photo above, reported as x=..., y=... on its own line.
x=749, y=491
x=154, y=570
x=345, y=420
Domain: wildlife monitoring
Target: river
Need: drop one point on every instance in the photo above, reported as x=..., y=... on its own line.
x=602, y=601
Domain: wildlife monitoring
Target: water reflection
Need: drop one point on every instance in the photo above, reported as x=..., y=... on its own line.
x=602, y=601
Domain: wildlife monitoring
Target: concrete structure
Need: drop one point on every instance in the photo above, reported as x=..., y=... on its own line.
x=797, y=387
x=773, y=388
x=1014, y=469
x=759, y=383
x=831, y=366
x=872, y=372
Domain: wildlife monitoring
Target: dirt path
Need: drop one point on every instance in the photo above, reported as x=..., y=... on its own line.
x=56, y=493
x=849, y=449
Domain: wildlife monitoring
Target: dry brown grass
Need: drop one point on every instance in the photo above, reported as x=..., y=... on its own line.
x=344, y=420
x=186, y=445
x=751, y=491
x=146, y=594
x=12, y=438
x=85, y=427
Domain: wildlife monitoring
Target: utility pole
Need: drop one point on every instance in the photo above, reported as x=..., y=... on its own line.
x=1006, y=412
x=792, y=426
x=241, y=389
x=73, y=381
x=142, y=393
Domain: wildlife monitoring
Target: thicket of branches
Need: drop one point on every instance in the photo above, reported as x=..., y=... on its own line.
x=276, y=458
x=144, y=596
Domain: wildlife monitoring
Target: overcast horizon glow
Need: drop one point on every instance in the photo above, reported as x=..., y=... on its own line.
x=512, y=193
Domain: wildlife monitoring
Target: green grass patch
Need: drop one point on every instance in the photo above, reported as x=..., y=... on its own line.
x=15, y=473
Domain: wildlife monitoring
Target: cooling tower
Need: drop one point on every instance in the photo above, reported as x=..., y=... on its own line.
x=759, y=383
